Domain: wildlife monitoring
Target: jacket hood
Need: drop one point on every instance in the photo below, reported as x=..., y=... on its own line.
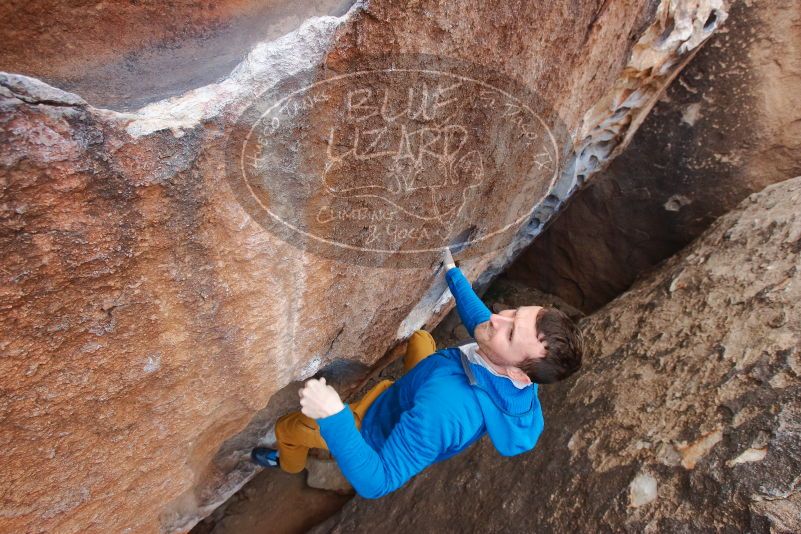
x=512, y=415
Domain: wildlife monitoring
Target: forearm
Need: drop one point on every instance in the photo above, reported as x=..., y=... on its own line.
x=361, y=465
x=471, y=309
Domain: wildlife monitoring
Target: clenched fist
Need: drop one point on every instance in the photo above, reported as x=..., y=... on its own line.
x=318, y=400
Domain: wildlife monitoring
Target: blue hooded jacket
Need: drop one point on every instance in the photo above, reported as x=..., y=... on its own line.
x=436, y=410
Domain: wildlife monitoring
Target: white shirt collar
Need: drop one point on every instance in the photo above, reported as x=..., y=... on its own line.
x=470, y=350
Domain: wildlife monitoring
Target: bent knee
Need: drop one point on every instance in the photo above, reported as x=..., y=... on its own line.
x=423, y=335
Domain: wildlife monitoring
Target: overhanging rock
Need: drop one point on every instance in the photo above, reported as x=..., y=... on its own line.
x=149, y=317
x=734, y=112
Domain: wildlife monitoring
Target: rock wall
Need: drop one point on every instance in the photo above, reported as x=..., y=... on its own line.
x=685, y=418
x=149, y=318
x=122, y=55
x=726, y=128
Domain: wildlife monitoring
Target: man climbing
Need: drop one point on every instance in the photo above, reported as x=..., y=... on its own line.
x=446, y=400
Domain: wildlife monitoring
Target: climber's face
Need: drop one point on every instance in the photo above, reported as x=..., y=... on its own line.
x=509, y=338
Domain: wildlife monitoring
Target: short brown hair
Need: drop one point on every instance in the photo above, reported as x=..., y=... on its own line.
x=565, y=348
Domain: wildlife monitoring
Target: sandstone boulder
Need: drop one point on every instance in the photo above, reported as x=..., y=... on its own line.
x=122, y=55
x=153, y=328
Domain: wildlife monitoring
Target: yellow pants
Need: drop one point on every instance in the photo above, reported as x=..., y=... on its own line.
x=296, y=433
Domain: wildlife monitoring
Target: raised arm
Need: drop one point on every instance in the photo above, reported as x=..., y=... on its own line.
x=471, y=309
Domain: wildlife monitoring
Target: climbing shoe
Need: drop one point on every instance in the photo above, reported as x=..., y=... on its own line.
x=264, y=456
